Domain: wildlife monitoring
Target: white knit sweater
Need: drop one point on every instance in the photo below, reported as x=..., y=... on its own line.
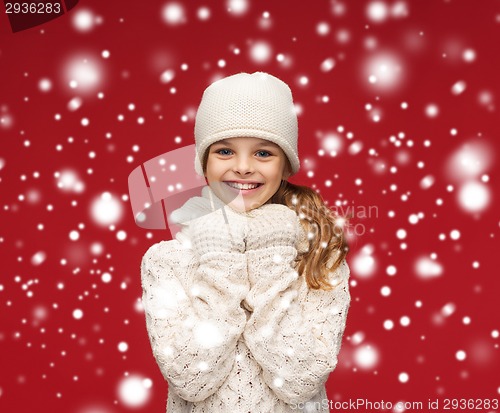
x=225, y=347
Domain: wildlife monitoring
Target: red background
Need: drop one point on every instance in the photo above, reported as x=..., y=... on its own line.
x=50, y=361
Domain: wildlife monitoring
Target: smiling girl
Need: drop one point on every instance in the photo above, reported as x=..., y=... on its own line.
x=246, y=308
x=229, y=164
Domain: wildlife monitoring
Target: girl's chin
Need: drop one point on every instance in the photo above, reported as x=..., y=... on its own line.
x=241, y=206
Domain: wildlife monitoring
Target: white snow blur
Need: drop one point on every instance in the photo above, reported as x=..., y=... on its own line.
x=466, y=166
x=106, y=209
x=363, y=262
x=174, y=14
x=83, y=73
x=260, y=52
x=366, y=357
x=134, y=391
x=69, y=181
x=377, y=11
x=383, y=71
x=83, y=20
x=427, y=268
x=474, y=196
x=237, y=7
x=331, y=143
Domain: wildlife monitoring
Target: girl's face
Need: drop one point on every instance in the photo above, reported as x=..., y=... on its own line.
x=236, y=161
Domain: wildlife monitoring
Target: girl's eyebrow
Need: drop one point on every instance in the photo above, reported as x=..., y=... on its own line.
x=222, y=142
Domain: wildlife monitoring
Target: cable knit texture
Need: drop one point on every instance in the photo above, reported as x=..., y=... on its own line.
x=237, y=330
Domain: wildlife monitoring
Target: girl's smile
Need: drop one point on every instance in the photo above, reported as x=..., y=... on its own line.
x=244, y=187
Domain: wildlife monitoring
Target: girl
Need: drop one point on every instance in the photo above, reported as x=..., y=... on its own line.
x=244, y=311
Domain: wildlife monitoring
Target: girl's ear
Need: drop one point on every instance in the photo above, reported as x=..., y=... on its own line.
x=286, y=174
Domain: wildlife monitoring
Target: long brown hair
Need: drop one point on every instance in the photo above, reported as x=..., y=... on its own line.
x=327, y=241
x=325, y=233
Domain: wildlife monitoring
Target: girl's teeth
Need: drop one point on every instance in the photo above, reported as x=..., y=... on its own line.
x=242, y=186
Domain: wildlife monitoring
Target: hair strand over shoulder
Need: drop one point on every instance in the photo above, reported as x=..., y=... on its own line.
x=328, y=246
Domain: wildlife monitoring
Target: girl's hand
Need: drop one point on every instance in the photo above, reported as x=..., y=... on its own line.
x=273, y=225
x=211, y=232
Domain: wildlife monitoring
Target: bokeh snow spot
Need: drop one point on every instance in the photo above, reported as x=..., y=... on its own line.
x=174, y=14
x=427, y=268
x=357, y=338
x=203, y=13
x=391, y=270
x=448, y=309
x=404, y=321
x=45, y=85
x=403, y=377
x=377, y=11
x=38, y=258
x=278, y=382
x=69, y=181
x=134, y=391
x=83, y=20
x=322, y=28
x=74, y=104
x=384, y=71
x=427, y=181
x=474, y=196
x=106, y=277
x=327, y=64
x=469, y=55
x=96, y=248
x=167, y=76
x=400, y=10
x=331, y=143
x=207, y=335
x=83, y=73
x=366, y=357
x=458, y=87
x=363, y=262
x=469, y=161
x=106, y=209
x=237, y=7
x=260, y=52
x=432, y=110
x=77, y=314
x=385, y=291
x=355, y=148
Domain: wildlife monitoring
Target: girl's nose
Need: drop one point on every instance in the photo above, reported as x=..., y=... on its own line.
x=243, y=165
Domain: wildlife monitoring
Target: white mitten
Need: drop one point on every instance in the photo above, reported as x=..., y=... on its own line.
x=273, y=225
x=223, y=230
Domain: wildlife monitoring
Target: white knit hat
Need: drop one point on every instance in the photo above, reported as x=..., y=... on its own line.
x=256, y=105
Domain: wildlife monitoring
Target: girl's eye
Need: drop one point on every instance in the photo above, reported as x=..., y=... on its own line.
x=266, y=154
x=222, y=150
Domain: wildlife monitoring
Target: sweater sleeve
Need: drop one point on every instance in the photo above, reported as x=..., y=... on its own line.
x=193, y=314
x=294, y=332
